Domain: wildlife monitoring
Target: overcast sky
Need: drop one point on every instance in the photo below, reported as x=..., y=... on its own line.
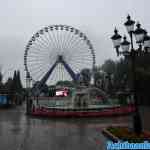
x=19, y=19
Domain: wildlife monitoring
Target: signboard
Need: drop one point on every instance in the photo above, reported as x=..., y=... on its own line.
x=3, y=99
x=62, y=93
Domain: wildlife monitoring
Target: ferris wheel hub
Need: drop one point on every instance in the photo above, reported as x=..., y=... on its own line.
x=60, y=58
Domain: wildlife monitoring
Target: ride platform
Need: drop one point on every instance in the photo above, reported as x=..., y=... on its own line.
x=80, y=112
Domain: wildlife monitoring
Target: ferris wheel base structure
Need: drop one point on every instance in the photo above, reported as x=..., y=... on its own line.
x=36, y=89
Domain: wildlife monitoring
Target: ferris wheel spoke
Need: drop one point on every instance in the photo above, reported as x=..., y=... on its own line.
x=32, y=59
x=40, y=43
x=47, y=39
x=35, y=66
x=43, y=39
x=60, y=41
x=79, y=56
x=39, y=72
x=37, y=55
x=43, y=57
x=56, y=75
x=52, y=40
x=37, y=52
x=42, y=61
x=82, y=56
x=59, y=72
x=62, y=72
x=30, y=63
x=58, y=35
x=75, y=67
x=35, y=69
x=56, y=72
x=80, y=61
x=39, y=48
x=76, y=44
x=42, y=74
x=80, y=64
x=81, y=51
x=63, y=76
x=54, y=78
x=70, y=42
x=73, y=41
x=46, y=45
x=55, y=39
x=63, y=37
x=70, y=50
x=68, y=39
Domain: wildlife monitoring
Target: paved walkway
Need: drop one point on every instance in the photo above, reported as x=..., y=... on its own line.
x=145, y=115
x=19, y=132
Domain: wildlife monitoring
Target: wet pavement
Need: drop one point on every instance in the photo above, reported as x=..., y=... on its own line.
x=20, y=132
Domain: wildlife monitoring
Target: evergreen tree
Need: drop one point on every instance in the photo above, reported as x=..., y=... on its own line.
x=1, y=84
x=86, y=75
x=1, y=77
x=14, y=81
x=8, y=84
x=18, y=80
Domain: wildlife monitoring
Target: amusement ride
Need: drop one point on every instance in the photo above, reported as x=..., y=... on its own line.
x=59, y=53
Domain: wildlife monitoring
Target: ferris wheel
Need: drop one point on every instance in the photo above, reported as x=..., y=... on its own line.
x=58, y=52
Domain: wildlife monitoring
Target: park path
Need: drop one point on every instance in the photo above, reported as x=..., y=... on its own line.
x=20, y=132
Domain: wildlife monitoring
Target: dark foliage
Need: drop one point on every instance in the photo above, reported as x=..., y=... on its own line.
x=123, y=75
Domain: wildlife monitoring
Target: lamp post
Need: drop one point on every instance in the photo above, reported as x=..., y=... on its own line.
x=28, y=82
x=128, y=50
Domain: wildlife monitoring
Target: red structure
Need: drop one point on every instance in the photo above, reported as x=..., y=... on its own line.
x=47, y=112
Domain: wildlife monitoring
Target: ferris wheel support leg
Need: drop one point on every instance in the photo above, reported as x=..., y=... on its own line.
x=45, y=78
x=70, y=71
x=37, y=89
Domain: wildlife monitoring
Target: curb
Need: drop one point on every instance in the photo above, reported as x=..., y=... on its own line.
x=110, y=136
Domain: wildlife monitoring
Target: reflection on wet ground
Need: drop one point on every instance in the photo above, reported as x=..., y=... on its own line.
x=20, y=132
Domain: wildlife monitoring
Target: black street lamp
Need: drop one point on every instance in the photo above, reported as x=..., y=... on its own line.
x=129, y=24
x=116, y=39
x=143, y=40
x=146, y=43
